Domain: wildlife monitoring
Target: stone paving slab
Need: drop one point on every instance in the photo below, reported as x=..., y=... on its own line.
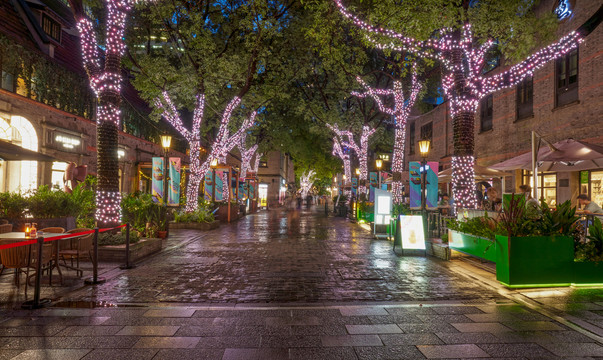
x=275, y=338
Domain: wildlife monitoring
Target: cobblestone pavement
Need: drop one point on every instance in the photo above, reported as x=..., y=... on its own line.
x=433, y=331
x=284, y=256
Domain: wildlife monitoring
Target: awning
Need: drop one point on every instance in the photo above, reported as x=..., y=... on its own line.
x=481, y=173
x=12, y=152
x=566, y=155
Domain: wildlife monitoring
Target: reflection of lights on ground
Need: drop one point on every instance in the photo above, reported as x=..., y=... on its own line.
x=365, y=226
x=381, y=264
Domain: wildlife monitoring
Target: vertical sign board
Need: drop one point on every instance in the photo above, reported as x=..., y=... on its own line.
x=431, y=184
x=383, y=207
x=355, y=187
x=384, y=177
x=174, y=185
x=219, y=184
x=412, y=232
x=209, y=184
x=157, y=182
x=373, y=183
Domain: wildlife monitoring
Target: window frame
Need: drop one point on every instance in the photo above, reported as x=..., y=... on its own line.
x=524, y=107
x=486, y=113
x=568, y=92
x=526, y=176
x=53, y=26
x=427, y=133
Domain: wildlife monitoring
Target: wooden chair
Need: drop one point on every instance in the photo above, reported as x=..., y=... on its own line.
x=47, y=257
x=55, y=250
x=80, y=248
x=16, y=258
x=3, y=221
x=6, y=228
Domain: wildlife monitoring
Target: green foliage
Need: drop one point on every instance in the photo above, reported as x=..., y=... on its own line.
x=562, y=220
x=592, y=248
x=400, y=209
x=366, y=207
x=85, y=195
x=45, y=203
x=202, y=215
x=445, y=238
x=139, y=209
x=111, y=239
x=479, y=226
x=12, y=205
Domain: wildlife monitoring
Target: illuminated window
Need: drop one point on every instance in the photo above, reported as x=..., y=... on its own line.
x=547, y=185
x=58, y=171
x=51, y=28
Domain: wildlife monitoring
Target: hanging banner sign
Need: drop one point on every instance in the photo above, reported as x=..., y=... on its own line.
x=208, y=185
x=157, y=179
x=412, y=231
x=355, y=186
x=219, y=183
x=174, y=185
x=373, y=183
x=384, y=177
x=431, y=184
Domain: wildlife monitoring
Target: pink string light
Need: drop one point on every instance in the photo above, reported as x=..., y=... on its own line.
x=400, y=111
x=306, y=181
x=223, y=144
x=461, y=59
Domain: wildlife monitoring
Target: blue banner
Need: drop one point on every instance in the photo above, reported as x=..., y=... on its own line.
x=431, y=184
x=157, y=182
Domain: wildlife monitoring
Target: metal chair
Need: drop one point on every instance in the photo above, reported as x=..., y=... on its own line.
x=80, y=248
x=55, y=250
x=6, y=228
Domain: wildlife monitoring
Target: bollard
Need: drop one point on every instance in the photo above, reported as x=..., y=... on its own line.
x=127, y=265
x=95, y=279
x=36, y=303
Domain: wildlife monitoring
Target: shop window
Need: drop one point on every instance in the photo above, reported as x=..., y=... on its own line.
x=427, y=133
x=58, y=171
x=525, y=99
x=596, y=190
x=566, y=71
x=486, y=112
x=411, y=138
x=263, y=162
x=51, y=28
x=547, y=185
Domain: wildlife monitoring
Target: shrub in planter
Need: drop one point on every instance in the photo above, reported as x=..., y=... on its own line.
x=143, y=214
x=591, y=249
x=201, y=215
x=45, y=204
x=111, y=239
x=12, y=205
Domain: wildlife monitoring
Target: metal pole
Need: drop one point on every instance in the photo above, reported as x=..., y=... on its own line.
x=535, y=164
x=95, y=279
x=127, y=265
x=36, y=303
x=423, y=198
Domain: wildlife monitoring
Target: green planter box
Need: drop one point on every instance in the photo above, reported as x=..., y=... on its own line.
x=368, y=217
x=587, y=273
x=534, y=261
x=472, y=245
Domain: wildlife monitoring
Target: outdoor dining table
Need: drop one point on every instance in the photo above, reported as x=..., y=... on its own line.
x=17, y=236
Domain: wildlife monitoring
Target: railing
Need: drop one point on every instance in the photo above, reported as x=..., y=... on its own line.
x=37, y=303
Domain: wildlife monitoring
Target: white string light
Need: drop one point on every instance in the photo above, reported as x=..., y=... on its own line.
x=223, y=144
x=306, y=181
x=462, y=69
x=400, y=111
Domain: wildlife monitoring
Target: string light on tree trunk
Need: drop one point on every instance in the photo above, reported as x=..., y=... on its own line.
x=400, y=111
x=464, y=82
x=223, y=144
x=306, y=181
x=344, y=154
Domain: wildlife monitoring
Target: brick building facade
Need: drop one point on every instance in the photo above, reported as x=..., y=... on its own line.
x=563, y=100
x=276, y=176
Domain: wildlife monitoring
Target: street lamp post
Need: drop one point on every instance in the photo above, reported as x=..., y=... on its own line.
x=424, y=151
x=378, y=165
x=166, y=141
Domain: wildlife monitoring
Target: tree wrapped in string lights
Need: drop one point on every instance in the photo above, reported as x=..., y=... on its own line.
x=247, y=156
x=105, y=80
x=360, y=148
x=256, y=163
x=222, y=145
x=464, y=82
x=400, y=110
x=306, y=181
x=342, y=151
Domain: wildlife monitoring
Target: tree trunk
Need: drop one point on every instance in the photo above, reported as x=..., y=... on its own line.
x=398, y=161
x=463, y=107
x=347, y=170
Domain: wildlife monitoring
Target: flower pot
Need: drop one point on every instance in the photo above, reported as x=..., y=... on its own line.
x=162, y=234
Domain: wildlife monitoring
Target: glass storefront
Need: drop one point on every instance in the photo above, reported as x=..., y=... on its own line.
x=596, y=189
x=547, y=185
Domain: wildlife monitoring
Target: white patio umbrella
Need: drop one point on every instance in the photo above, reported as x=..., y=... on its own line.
x=481, y=173
x=566, y=155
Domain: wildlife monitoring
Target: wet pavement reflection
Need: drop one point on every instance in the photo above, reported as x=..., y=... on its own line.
x=284, y=256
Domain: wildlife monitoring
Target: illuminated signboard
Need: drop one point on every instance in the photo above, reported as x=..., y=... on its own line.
x=411, y=229
x=383, y=207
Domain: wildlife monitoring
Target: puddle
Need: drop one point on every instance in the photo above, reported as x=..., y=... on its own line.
x=91, y=305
